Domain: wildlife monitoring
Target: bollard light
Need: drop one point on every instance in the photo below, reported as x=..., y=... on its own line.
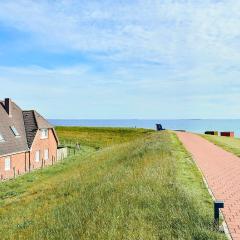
x=217, y=205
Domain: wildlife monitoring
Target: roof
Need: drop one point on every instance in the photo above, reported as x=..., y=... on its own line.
x=12, y=144
x=41, y=121
x=31, y=127
x=26, y=123
x=34, y=121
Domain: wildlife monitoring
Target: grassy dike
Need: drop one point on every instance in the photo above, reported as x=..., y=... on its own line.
x=228, y=143
x=123, y=184
x=100, y=137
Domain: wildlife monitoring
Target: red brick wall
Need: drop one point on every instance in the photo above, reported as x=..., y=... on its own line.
x=40, y=144
x=18, y=162
x=25, y=162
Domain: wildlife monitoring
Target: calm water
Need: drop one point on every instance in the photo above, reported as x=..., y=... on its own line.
x=198, y=126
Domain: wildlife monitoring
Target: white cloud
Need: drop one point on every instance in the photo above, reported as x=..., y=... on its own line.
x=149, y=30
x=159, y=52
x=80, y=92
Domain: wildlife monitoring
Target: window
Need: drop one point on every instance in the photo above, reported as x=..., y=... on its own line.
x=45, y=154
x=1, y=138
x=7, y=163
x=15, y=132
x=37, y=156
x=44, y=133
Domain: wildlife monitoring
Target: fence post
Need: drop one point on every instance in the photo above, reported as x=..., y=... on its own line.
x=42, y=163
x=14, y=172
x=29, y=164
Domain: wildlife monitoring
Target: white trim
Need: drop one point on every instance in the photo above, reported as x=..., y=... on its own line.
x=15, y=153
x=7, y=167
x=46, y=154
x=37, y=156
x=1, y=138
x=15, y=131
x=44, y=133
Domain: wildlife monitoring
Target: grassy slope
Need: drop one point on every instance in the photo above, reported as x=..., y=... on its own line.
x=227, y=143
x=146, y=188
x=100, y=137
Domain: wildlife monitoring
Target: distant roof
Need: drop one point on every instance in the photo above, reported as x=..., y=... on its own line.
x=26, y=123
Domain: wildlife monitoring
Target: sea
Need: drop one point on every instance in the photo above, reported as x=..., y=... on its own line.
x=191, y=125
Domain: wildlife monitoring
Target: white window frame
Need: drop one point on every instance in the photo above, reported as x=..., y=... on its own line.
x=15, y=131
x=7, y=163
x=46, y=154
x=44, y=133
x=2, y=138
x=37, y=156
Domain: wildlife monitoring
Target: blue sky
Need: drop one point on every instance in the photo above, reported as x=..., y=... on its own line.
x=122, y=59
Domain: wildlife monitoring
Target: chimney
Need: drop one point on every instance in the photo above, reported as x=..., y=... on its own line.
x=8, y=106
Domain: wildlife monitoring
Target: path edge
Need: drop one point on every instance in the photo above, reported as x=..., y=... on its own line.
x=224, y=224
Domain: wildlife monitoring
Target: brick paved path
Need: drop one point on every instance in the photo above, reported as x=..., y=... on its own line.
x=222, y=172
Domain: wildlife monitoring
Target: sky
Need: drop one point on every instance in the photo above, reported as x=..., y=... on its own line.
x=122, y=59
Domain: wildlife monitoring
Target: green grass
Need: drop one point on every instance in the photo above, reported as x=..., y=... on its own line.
x=228, y=143
x=100, y=136
x=145, y=187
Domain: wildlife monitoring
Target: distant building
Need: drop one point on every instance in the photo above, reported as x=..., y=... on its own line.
x=27, y=140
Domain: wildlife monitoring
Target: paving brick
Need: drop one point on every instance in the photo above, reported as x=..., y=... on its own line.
x=221, y=170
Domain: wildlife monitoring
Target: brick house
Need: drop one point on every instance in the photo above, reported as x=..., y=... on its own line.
x=27, y=140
